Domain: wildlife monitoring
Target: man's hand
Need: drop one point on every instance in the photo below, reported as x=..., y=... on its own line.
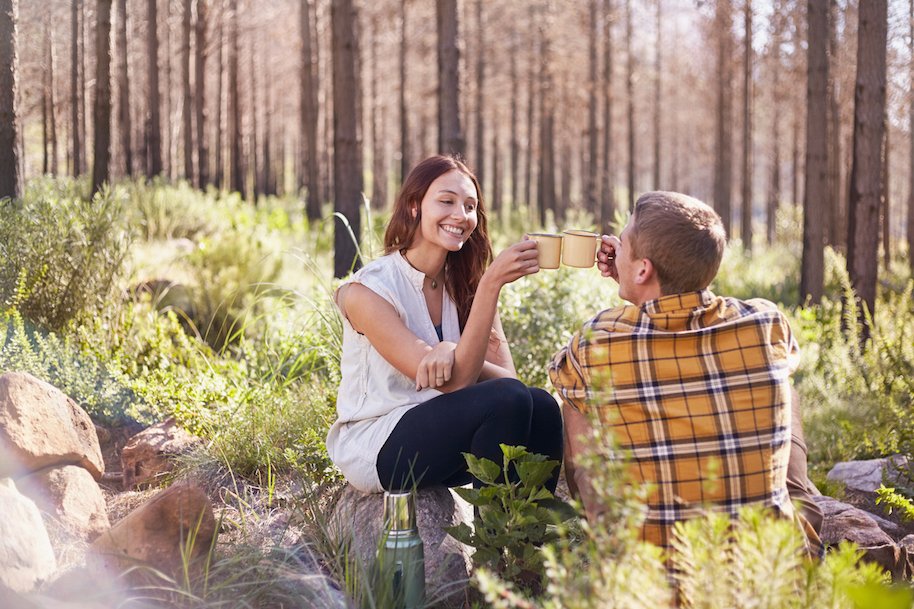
x=435, y=368
x=606, y=256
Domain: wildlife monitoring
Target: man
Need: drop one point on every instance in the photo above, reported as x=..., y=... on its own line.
x=693, y=386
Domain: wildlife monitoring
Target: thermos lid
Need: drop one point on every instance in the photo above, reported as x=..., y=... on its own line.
x=400, y=511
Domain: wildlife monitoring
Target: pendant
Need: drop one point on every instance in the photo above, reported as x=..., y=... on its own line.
x=434, y=284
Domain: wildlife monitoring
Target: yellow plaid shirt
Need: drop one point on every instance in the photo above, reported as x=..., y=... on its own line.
x=695, y=389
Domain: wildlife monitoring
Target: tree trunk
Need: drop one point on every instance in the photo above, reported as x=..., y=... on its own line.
x=10, y=166
x=169, y=143
x=309, y=172
x=124, y=124
x=102, y=120
x=186, y=111
x=254, y=155
x=812, y=270
x=267, y=186
x=153, y=120
x=219, y=162
x=531, y=98
x=200, y=92
x=515, y=142
x=590, y=178
x=347, y=157
x=658, y=56
x=405, y=159
x=236, y=171
x=885, y=199
x=869, y=108
x=723, y=162
x=496, y=170
x=607, y=199
x=45, y=88
x=745, y=232
x=83, y=84
x=378, y=123
x=546, y=187
x=450, y=133
x=480, y=137
x=834, y=213
x=74, y=86
x=774, y=190
x=52, y=100
x=910, y=227
x=630, y=91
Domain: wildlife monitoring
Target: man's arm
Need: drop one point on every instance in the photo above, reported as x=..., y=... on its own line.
x=578, y=440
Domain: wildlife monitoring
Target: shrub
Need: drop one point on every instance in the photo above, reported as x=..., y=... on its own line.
x=60, y=256
x=231, y=270
x=514, y=518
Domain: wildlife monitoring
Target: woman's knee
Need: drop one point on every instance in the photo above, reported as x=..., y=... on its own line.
x=512, y=399
x=545, y=408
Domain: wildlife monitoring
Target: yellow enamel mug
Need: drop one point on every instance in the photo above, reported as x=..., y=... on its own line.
x=580, y=248
x=549, y=249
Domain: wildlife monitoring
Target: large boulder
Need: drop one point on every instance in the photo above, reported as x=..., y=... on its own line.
x=867, y=475
x=156, y=533
x=447, y=561
x=71, y=498
x=40, y=427
x=843, y=522
x=26, y=556
x=150, y=454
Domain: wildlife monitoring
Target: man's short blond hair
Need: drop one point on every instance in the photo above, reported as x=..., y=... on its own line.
x=682, y=237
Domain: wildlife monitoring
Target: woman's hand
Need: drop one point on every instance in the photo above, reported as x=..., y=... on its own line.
x=435, y=368
x=513, y=263
x=606, y=256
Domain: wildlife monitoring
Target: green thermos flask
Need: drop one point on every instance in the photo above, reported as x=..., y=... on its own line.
x=402, y=557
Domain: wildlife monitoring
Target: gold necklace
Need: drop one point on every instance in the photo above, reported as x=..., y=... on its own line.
x=433, y=280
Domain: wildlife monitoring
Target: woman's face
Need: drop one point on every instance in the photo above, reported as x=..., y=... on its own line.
x=449, y=212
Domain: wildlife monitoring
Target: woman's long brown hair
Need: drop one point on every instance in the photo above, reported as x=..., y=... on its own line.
x=465, y=266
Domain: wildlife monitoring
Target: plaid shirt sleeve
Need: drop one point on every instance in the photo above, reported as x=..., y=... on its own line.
x=568, y=376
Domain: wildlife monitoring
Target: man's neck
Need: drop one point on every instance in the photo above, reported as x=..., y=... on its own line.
x=646, y=294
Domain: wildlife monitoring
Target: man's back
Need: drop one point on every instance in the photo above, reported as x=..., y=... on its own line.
x=694, y=387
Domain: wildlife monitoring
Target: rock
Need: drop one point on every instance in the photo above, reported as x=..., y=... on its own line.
x=70, y=496
x=867, y=475
x=832, y=509
x=844, y=522
x=155, y=533
x=316, y=591
x=447, y=561
x=907, y=542
x=150, y=454
x=26, y=556
x=40, y=427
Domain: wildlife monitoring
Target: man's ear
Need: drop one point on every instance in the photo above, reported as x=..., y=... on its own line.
x=646, y=272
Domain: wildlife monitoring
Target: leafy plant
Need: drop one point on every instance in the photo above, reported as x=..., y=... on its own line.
x=60, y=256
x=514, y=518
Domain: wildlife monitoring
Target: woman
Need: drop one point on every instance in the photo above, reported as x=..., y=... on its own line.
x=427, y=373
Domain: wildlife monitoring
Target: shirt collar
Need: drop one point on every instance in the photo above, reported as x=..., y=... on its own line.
x=415, y=276
x=679, y=302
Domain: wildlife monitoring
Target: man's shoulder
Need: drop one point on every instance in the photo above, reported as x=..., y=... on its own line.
x=737, y=307
x=622, y=319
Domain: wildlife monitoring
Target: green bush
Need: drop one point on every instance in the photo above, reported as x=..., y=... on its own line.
x=514, y=518
x=60, y=255
x=231, y=271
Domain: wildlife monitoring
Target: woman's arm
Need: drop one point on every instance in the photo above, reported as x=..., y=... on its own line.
x=511, y=264
x=377, y=319
x=499, y=363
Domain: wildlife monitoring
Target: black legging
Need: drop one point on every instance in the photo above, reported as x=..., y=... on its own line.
x=425, y=448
